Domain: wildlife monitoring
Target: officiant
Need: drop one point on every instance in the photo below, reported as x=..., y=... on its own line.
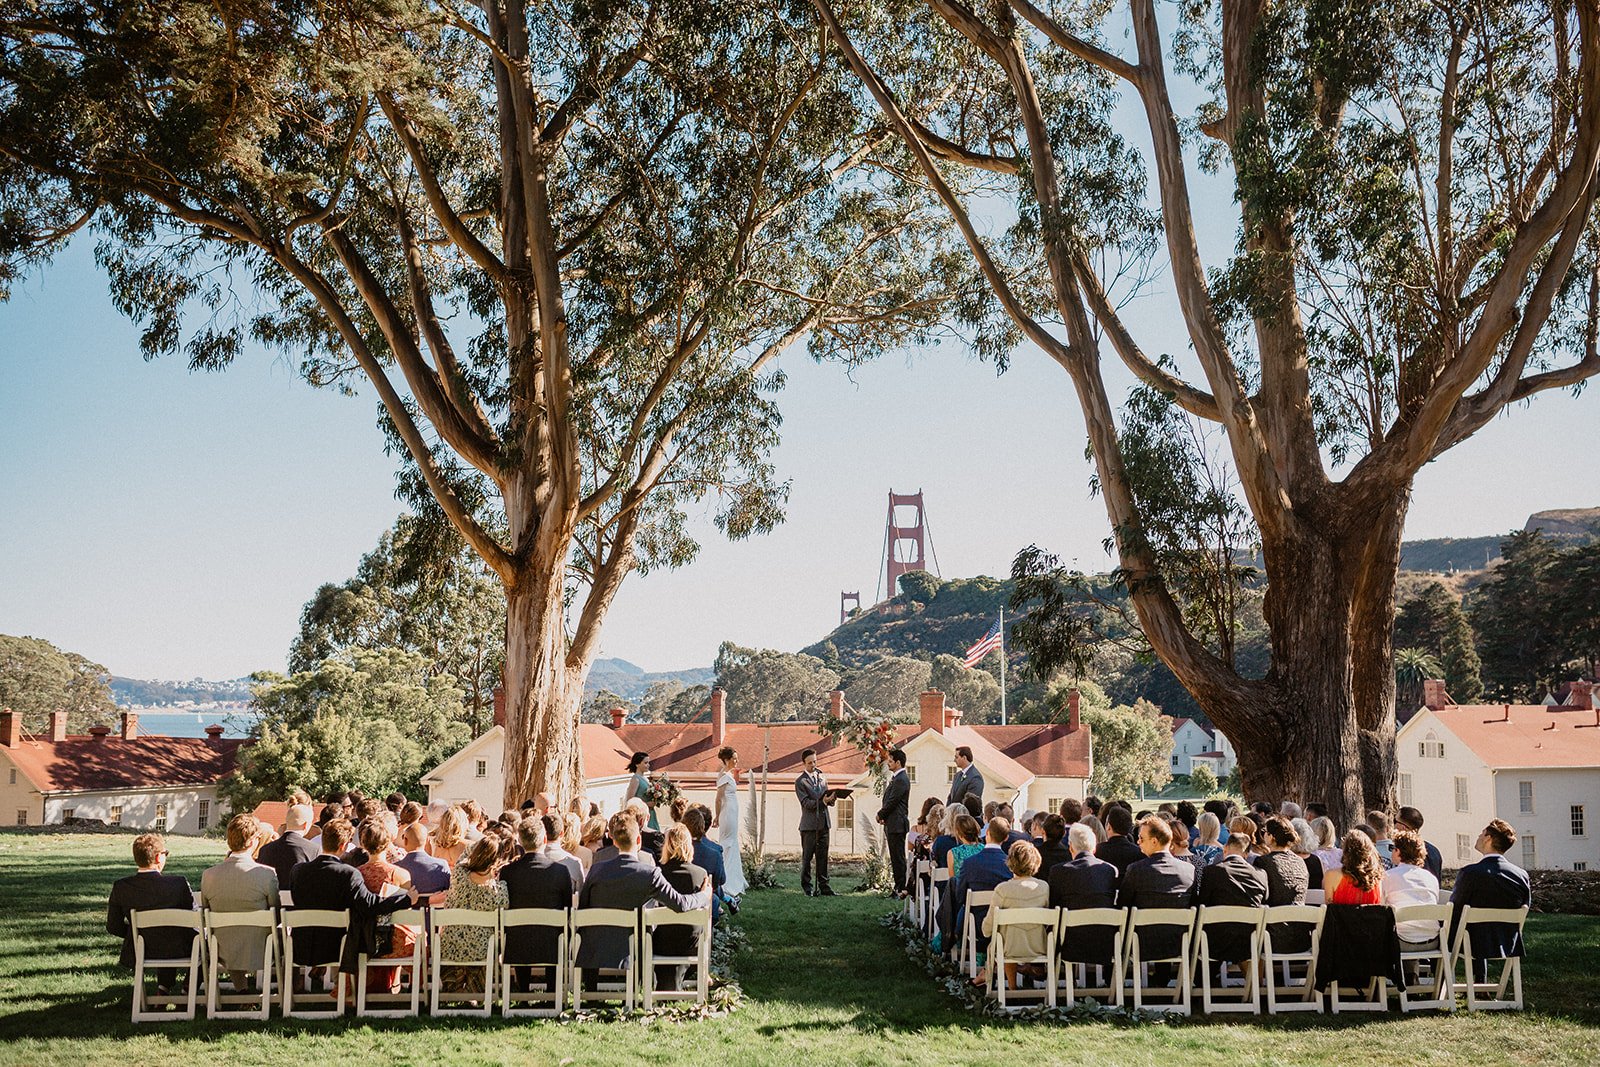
x=815, y=822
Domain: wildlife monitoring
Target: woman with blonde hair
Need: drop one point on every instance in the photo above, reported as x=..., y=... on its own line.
x=450, y=839
x=1022, y=890
x=1093, y=822
x=572, y=840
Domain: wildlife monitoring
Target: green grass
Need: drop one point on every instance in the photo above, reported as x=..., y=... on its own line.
x=824, y=984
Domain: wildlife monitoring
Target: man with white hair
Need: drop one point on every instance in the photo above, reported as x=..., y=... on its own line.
x=1289, y=810
x=292, y=846
x=1085, y=882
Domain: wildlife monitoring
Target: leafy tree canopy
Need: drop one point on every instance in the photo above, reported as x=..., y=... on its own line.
x=37, y=678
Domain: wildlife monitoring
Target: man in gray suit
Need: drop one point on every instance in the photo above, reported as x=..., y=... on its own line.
x=626, y=881
x=815, y=822
x=895, y=817
x=967, y=779
x=239, y=883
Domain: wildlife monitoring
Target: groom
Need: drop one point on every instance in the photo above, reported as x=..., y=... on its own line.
x=815, y=821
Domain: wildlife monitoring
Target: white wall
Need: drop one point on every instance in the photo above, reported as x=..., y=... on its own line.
x=1555, y=791
x=139, y=808
x=17, y=796
x=1432, y=791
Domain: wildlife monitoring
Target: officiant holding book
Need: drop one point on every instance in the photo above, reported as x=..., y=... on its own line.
x=815, y=822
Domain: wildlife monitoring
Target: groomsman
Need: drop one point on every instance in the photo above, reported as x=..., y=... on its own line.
x=967, y=779
x=895, y=816
x=815, y=822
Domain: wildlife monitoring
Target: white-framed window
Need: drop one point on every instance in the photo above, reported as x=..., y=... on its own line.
x=1405, y=789
x=205, y=814
x=1530, y=852
x=1579, y=829
x=1463, y=801
x=1525, y=798
x=481, y=769
x=116, y=815
x=161, y=817
x=1430, y=747
x=13, y=776
x=22, y=816
x=845, y=812
x=1463, y=848
x=1581, y=865
x=911, y=774
x=950, y=773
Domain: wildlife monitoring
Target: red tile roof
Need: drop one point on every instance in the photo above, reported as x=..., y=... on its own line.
x=274, y=812
x=1526, y=735
x=82, y=764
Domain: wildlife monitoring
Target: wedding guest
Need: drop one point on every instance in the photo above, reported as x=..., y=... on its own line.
x=1219, y=809
x=685, y=875
x=395, y=801
x=1053, y=852
x=1208, y=838
x=1180, y=845
x=411, y=812
x=449, y=838
x=1379, y=821
x=1359, y=879
x=967, y=845
x=1327, y=850
x=556, y=846
x=1409, y=882
x=239, y=883
x=1189, y=815
x=327, y=883
x=1232, y=881
x=1097, y=828
x=473, y=885
x=944, y=835
x=1304, y=842
x=1021, y=890
x=981, y=872
x=572, y=839
x=148, y=888
x=1289, y=810
x=1119, y=849
x=429, y=874
x=1084, y=882
x=290, y=847
x=1071, y=810
x=1492, y=882
x=1287, y=877
x=1410, y=818
x=706, y=855
x=384, y=878
x=650, y=839
x=1158, y=880
x=535, y=880
x=592, y=839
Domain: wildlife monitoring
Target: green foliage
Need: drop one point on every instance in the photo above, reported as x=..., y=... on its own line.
x=373, y=720
x=919, y=587
x=768, y=686
x=1412, y=667
x=1132, y=748
x=1524, y=641
x=1202, y=781
x=37, y=678
x=890, y=684
x=670, y=700
x=973, y=690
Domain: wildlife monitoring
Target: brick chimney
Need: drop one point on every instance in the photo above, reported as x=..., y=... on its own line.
x=10, y=728
x=618, y=716
x=836, y=704
x=130, y=725
x=1581, y=696
x=931, y=706
x=99, y=733
x=499, y=705
x=952, y=716
x=1433, y=694
x=1072, y=709
x=719, y=716
x=213, y=732
x=58, y=726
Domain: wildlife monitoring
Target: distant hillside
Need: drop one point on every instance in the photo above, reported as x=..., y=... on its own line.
x=142, y=692
x=632, y=681
x=958, y=615
x=1581, y=523
x=1450, y=554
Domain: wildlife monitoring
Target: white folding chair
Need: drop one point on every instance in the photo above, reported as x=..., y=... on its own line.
x=1435, y=960
x=332, y=1003
x=610, y=918
x=548, y=998
x=1375, y=997
x=1209, y=917
x=1277, y=962
x=700, y=990
x=938, y=886
x=453, y=1002
x=1009, y=918
x=412, y=968
x=220, y=1005
x=968, y=960
x=917, y=901
x=1181, y=919
x=1076, y=921
x=285, y=898
x=1315, y=898
x=1489, y=995
x=152, y=1007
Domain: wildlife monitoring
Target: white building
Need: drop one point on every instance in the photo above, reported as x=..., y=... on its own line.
x=1536, y=766
x=1194, y=744
x=1029, y=766
x=148, y=782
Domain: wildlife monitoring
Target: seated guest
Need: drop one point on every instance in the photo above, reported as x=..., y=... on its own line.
x=1289, y=810
x=626, y=881
x=1021, y=890
x=1233, y=881
x=385, y=879
x=1408, y=883
x=474, y=819
x=394, y=802
x=1359, y=879
x=1411, y=819
x=1004, y=811
x=1492, y=882
x=572, y=840
x=981, y=872
x=592, y=838
x=1180, y=844
x=1119, y=849
x=1189, y=815
x=1304, y=842
x=1084, y=881
x=944, y=836
x=1315, y=810
x=650, y=839
x=974, y=805
x=327, y=883
x=1096, y=828
x=967, y=845
x=290, y=847
x=1379, y=821
x=1218, y=809
x=686, y=876
x=429, y=874
x=535, y=880
x=449, y=839
x=474, y=885
x=921, y=844
x=146, y=890
x=1159, y=880
x=1326, y=849
x=410, y=813
x=556, y=846
x=1287, y=877
x=1071, y=810
x=1208, y=838
x=239, y=883
x=1052, y=852
x=706, y=855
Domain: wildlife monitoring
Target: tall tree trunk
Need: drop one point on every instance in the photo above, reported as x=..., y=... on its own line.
x=543, y=694
x=1372, y=676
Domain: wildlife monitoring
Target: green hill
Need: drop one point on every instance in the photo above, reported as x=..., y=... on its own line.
x=958, y=613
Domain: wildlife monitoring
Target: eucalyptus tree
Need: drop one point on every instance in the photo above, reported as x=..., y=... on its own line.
x=1415, y=253
x=563, y=243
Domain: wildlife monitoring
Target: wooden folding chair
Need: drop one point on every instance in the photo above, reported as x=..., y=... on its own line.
x=1005, y=919
x=152, y=1007
x=220, y=1005
x=1210, y=916
x=305, y=919
x=1148, y=918
x=412, y=969
x=653, y=920
x=968, y=959
x=610, y=918
x=548, y=998
x=1277, y=963
x=1076, y=921
x=443, y=1002
x=1439, y=990
x=1510, y=969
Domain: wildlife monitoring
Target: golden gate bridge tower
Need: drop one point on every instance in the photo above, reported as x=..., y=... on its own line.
x=907, y=547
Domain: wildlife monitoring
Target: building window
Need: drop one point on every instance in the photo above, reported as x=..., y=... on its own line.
x=1578, y=829
x=205, y=814
x=483, y=768
x=1174, y=759
x=161, y=817
x=1405, y=789
x=1581, y=865
x=1530, y=853
x=67, y=814
x=1463, y=848
x=1053, y=806
x=13, y=776
x=116, y=815
x=1525, y=797
x=1461, y=794
x=911, y=775
x=22, y=816
x=846, y=811
x=950, y=773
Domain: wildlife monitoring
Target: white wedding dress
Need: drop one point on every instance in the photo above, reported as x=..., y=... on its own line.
x=728, y=835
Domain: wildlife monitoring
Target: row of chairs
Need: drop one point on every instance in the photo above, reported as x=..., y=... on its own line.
x=555, y=986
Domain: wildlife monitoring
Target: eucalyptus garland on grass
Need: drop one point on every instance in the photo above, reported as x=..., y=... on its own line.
x=726, y=995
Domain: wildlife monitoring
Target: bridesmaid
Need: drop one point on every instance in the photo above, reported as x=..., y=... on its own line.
x=639, y=767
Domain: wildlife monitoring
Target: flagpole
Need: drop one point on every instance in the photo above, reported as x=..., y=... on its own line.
x=1002, y=666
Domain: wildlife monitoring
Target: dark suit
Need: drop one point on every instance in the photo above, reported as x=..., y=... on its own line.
x=626, y=882
x=895, y=814
x=1231, y=882
x=965, y=781
x=283, y=852
x=327, y=883
x=1160, y=881
x=1434, y=864
x=815, y=822
x=535, y=880
x=679, y=940
x=1121, y=852
x=979, y=874
x=1085, y=882
x=1050, y=855
x=1492, y=882
x=147, y=891
x=708, y=857
x=429, y=874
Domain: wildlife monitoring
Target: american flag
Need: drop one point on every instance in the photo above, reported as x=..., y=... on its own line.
x=986, y=644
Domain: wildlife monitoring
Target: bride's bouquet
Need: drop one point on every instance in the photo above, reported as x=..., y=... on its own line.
x=662, y=791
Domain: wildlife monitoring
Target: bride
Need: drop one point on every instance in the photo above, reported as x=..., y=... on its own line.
x=725, y=821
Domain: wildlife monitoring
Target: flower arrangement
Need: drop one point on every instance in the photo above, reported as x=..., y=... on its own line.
x=662, y=792
x=870, y=731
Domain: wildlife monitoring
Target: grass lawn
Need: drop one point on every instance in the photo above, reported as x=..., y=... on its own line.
x=824, y=984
